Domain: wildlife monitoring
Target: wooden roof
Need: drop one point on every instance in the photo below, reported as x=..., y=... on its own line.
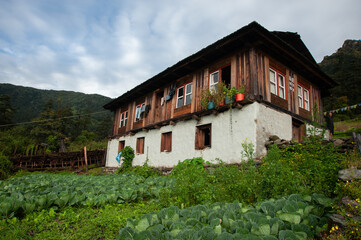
x=285, y=47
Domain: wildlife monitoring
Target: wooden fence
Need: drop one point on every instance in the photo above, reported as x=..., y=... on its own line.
x=72, y=160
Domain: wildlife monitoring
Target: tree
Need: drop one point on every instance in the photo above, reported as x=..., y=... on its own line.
x=6, y=111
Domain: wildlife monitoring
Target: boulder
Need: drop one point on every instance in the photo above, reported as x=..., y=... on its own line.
x=349, y=174
x=338, y=142
x=273, y=138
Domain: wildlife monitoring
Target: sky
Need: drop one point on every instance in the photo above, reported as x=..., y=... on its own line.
x=108, y=47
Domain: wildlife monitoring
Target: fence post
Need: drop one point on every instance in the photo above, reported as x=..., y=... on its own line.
x=86, y=160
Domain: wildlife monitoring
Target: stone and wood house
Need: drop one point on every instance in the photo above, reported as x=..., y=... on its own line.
x=163, y=121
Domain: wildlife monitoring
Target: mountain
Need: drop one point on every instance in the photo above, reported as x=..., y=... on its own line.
x=344, y=66
x=29, y=102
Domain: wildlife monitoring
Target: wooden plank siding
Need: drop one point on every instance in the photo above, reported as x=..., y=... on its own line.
x=249, y=68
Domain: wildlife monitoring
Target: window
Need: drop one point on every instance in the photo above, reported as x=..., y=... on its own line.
x=166, y=142
x=223, y=75
x=300, y=97
x=140, y=145
x=277, y=83
x=303, y=97
x=139, y=109
x=121, y=146
x=306, y=95
x=203, y=136
x=213, y=81
x=184, y=98
x=123, y=119
x=281, y=86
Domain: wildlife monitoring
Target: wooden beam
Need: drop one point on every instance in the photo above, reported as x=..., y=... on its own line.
x=194, y=116
x=145, y=130
x=172, y=123
x=156, y=126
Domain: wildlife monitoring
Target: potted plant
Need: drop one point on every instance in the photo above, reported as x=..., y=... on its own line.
x=207, y=99
x=240, y=94
x=220, y=95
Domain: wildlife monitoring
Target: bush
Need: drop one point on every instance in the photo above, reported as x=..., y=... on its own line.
x=278, y=177
x=232, y=183
x=128, y=156
x=192, y=186
x=5, y=166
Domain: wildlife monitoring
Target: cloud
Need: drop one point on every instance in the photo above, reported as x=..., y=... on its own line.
x=110, y=47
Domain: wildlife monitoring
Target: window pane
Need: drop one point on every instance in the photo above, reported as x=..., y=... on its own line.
x=282, y=92
x=273, y=88
x=180, y=102
x=214, y=78
x=189, y=88
x=281, y=80
x=300, y=91
x=306, y=94
x=272, y=75
x=188, y=99
x=180, y=91
x=300, y=102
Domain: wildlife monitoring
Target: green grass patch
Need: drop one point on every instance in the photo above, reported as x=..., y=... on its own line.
x=75, y=223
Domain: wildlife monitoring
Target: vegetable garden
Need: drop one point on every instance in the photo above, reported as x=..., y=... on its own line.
x=290, y=196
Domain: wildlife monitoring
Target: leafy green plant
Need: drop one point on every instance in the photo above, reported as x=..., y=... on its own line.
x=5, y=166
x=192, y=184
x=292, y=217
x=248, y=150
x=23, y=195
x=128, y=156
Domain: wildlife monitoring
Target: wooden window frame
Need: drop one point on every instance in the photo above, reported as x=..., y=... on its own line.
x=307, y=106
x=185, y=94
x=123, y=119
x=200, y=136
x=121, y=145
x=166, y=142
x=305, y=102
x=140, y=145
x=138, y=107
x=278, y=74
x=214, y=86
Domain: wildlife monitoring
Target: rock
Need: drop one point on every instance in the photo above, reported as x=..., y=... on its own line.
x=348, y=202
x=338, y=219
x=278, y=141
x=273, y=138
x=349, y=174
x=338, y=142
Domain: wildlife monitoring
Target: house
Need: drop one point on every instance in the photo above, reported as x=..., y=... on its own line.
x=163, y=121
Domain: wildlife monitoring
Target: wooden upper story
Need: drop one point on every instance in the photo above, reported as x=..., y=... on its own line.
x=274, y=67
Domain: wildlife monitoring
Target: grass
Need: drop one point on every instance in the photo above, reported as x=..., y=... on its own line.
x=75, y=223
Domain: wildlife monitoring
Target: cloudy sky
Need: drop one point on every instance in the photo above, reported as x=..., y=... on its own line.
x=110, y=46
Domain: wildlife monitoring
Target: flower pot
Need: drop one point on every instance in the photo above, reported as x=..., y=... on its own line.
x=228, y=100
x=221, y=103
x=210, y=105
x=239, y=97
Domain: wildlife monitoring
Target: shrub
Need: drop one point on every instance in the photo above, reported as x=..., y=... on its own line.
x=278, y=176
x=192, y=185
x=5, y=166
x=233, y=184
x=128, y=156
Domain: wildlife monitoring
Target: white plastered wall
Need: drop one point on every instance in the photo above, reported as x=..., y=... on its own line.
x=271, y=122
x=230, y=129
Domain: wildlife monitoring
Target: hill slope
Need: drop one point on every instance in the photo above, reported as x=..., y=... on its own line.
x=29, y=102
x=344, y=66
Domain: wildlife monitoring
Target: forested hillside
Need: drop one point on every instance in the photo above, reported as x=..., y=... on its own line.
x=55, y=120
x=29, y=102
x=344, y=66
